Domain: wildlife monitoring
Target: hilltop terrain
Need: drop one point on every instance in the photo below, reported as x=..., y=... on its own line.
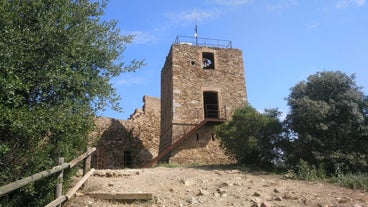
x=203, y=186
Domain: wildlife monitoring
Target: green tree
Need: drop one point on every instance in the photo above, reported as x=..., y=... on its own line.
x=57, y=58
x=328, y=113
x=252, y=138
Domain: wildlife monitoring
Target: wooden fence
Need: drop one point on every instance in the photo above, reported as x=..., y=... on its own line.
x=87, y=172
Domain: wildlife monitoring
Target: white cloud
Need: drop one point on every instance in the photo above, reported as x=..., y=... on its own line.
x=281, y=5
x=232, y=2
x=141, y=37
x=215, y=9
x=313, y=26
x=173, y=19
x=184, y=17
x=131, y=81
x=346, y=3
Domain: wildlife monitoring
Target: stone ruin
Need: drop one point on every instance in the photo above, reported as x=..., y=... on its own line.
x=201, y=86
x=127, y=143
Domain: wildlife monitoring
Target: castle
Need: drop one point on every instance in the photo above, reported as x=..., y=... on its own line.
x=202, y=83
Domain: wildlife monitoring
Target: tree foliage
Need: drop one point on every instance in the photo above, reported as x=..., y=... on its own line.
x=252, y=138
x=57, y=58
x=328, y=112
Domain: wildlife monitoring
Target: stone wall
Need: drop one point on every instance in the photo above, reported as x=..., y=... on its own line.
x=184, y=83
x=190, y=81
x=127, y=143
x=203, y=148
x=166, y=106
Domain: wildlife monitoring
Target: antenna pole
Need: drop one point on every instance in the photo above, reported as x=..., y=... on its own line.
x=195, y=29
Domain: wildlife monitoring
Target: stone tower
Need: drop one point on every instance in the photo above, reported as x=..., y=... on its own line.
x=201, y=86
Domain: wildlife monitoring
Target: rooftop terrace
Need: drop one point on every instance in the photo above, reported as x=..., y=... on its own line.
x=208, y=42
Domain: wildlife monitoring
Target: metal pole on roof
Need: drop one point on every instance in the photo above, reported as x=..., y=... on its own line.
x=195, y=29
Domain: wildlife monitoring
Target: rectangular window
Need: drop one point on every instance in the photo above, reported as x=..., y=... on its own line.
x=208, y=60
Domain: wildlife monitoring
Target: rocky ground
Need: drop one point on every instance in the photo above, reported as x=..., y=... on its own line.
x=214, y=187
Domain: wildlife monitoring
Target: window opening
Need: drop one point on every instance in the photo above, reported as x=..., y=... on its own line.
x=210, y=101
x=197, y=137
x=213, y=137
x=128, y=159
x=208, y=60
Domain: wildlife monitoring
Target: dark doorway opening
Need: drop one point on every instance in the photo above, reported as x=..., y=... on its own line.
x=128, y=159
x=210, y=100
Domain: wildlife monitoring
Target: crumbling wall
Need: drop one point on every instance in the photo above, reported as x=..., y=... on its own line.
x=127, y=143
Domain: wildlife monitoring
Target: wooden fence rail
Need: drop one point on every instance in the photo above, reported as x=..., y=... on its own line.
x=59, y=168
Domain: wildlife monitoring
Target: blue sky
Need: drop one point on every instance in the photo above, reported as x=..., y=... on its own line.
x=283, y=42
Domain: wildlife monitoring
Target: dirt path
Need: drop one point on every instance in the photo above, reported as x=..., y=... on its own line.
x=212, y=187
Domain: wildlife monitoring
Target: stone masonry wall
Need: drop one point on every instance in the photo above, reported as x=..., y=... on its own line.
x=127, y=143
x=203, y=148
x=134, y=142
x=190, y=81
x=166, y=105
x=187, y=82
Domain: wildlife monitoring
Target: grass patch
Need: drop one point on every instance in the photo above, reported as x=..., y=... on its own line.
x=354, y=181
x=306, y=171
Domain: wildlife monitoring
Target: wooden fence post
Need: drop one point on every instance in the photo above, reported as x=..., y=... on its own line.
x=86, y=157
x=59, y=184
x=87, y=166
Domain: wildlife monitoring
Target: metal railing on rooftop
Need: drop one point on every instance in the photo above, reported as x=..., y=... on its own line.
x=208, y=42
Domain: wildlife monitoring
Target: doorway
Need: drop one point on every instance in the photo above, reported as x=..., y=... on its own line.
x=210, y=101
x=128, y=159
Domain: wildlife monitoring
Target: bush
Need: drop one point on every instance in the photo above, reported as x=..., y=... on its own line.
x=354, y=181
x=343, y=163
x=328, y=114
x=252, y=138
x=305, y=171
